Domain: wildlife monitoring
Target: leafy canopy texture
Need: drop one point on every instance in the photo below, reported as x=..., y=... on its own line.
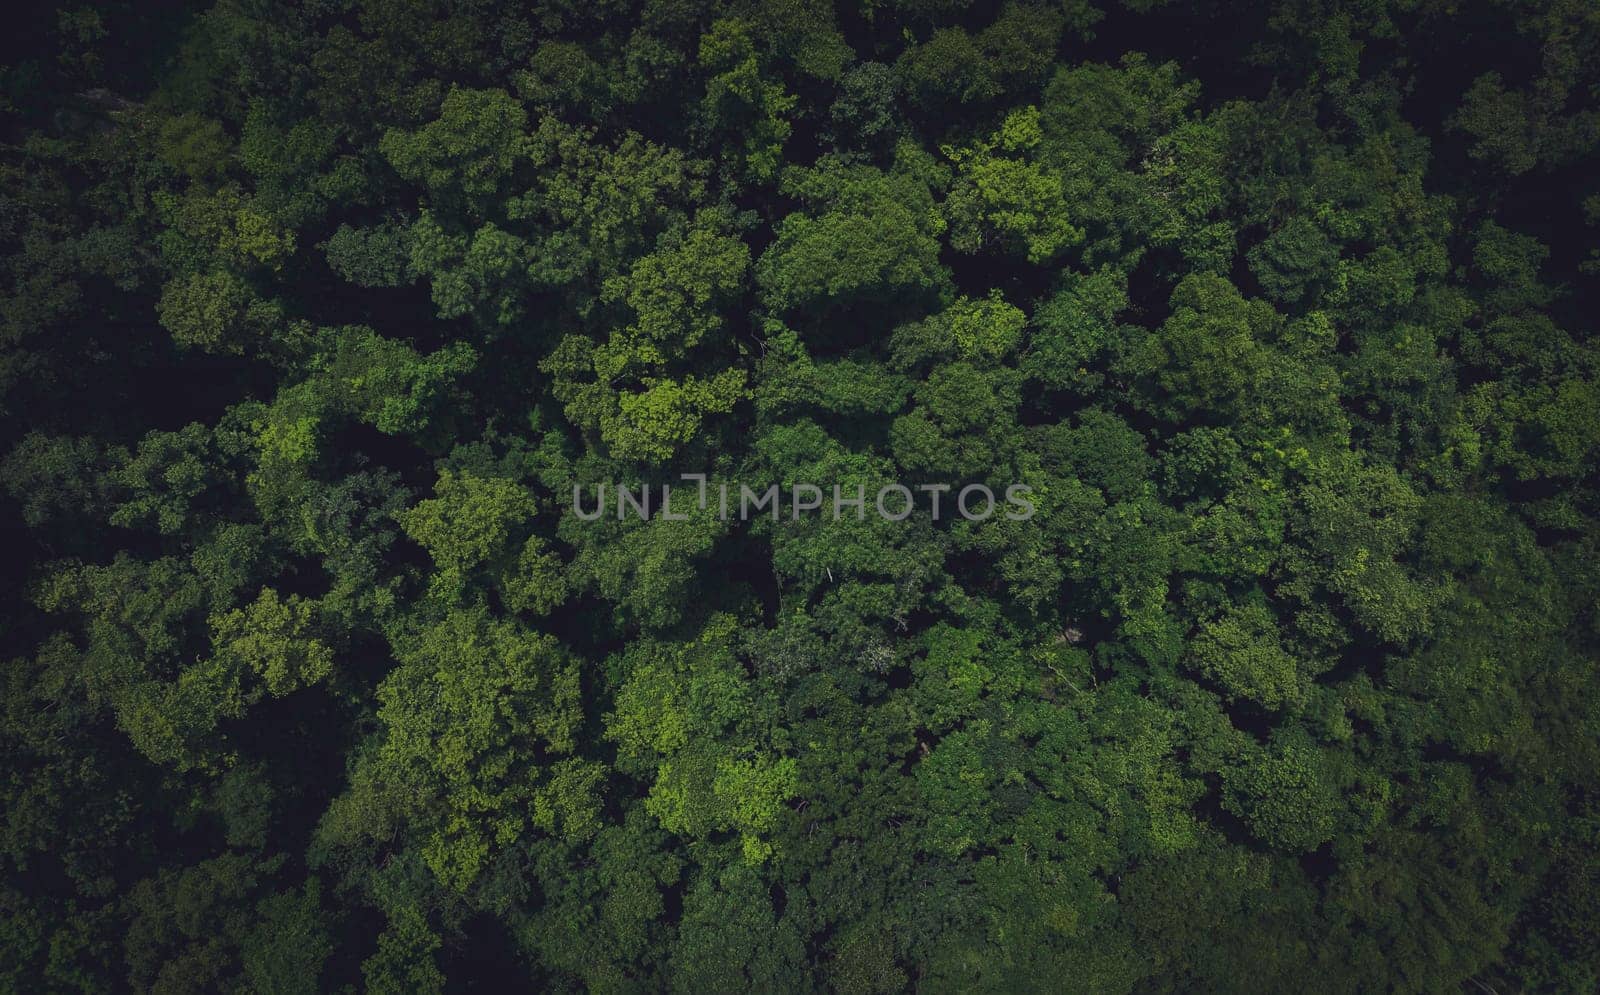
x=315, y=316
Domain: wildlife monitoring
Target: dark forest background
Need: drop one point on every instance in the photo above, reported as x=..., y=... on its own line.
x=314, y=314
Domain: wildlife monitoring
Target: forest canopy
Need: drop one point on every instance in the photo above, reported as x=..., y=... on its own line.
x=316, y=315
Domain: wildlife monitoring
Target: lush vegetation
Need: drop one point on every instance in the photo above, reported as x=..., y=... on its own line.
x=315, y=313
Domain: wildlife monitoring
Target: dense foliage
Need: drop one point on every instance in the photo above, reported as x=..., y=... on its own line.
x=315, y=313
